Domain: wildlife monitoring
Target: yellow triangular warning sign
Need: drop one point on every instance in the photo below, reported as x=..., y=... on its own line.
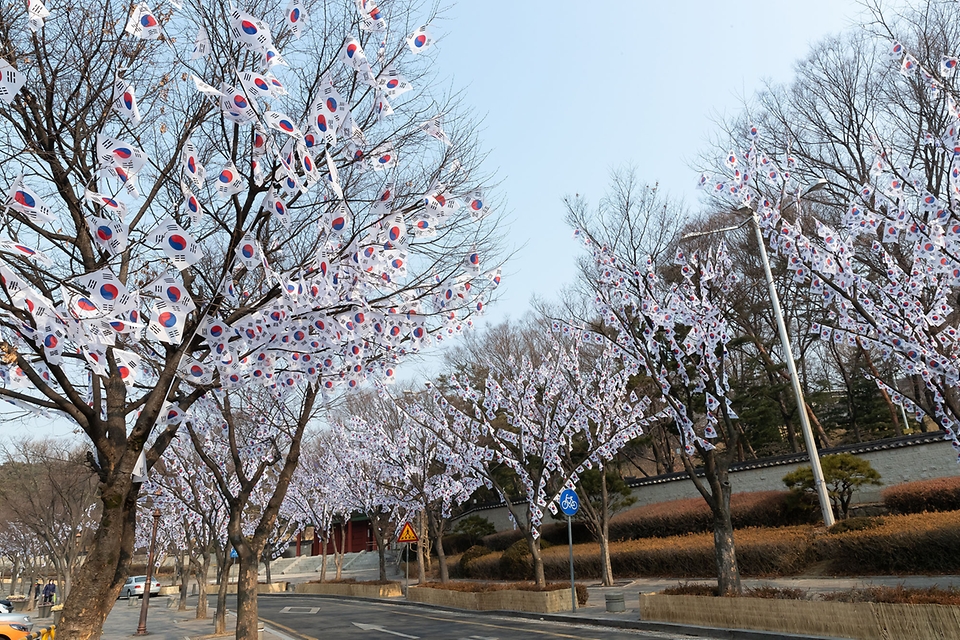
x=407, y=534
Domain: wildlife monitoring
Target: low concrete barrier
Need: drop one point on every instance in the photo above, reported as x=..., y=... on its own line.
x=173, y=590
x=358, y=589
x=273, y=587
x=507, y=600
x=862, y=620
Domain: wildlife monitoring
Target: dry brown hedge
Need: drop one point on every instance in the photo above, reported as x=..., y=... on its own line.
x=938, y=494
x=674, y=518
x=905, y=544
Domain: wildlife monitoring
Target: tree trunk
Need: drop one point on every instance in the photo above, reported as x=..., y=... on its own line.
x=437, y=529
x=14, y=573
x=338, y=551
x=606, y=568
x=220, y=617
x=323, y=559
x=728, y=574
x=537, y=559
x=266, y=563
x=202, y=587
x=383, y=562
x=184, y=580
x=102, y=574
x=247, y=595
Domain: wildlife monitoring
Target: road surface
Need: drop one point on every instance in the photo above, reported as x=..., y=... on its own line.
x=306, y=617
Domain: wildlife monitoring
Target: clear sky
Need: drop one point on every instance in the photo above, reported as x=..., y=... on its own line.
x=571, y=90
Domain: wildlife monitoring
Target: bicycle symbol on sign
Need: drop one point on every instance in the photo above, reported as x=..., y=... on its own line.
x=569, y=502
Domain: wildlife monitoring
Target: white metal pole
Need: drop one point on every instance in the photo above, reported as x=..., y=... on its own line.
x=821, y=487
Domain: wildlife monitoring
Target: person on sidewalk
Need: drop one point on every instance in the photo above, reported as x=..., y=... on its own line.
x=48, y=592
x=37, y=590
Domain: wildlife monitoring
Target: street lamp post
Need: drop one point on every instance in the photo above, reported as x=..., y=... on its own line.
x=825, y=508
x=142, y=627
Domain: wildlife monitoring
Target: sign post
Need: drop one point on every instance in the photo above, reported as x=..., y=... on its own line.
x=569, y=505
x=407, y=535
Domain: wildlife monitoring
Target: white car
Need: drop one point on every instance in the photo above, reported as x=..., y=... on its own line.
x=134, y=587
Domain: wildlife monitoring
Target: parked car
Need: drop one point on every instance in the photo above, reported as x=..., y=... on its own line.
x=11, y=625
x=134, y=587
x=14, y=630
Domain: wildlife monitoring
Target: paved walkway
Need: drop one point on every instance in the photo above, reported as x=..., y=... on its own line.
x=167, y=624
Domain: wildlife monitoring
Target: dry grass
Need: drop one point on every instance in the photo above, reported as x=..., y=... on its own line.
x=904, y=544
x=939, y=494
x=898, y=595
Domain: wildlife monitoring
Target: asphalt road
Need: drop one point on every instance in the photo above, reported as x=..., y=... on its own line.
x=315, y=618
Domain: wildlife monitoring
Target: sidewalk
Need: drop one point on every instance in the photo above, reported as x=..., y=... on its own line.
x=167, y=624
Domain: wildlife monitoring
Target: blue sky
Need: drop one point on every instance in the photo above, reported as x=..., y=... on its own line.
x=571, y=90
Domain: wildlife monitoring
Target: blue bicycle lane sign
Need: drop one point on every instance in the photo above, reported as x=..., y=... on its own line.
x=569, y=502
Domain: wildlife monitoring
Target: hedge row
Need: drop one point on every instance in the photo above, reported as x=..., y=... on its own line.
x=678, y=517
x=939, y=494
x=905, y=544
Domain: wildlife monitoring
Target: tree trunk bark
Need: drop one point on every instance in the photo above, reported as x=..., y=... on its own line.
x=728, y=574
x=537, y=560
x=184, y=580
x=266, y=563
x=247, y=596
x=437, y=528
x=14, y=573
x=102, y=574
x=220, y=617
x=606, y=566
x=202, y=587
x=323, y=559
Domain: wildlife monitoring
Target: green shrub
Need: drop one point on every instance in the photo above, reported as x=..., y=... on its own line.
x=502, y=540
x=458, y=543
x=843, y=473
x=938, y=494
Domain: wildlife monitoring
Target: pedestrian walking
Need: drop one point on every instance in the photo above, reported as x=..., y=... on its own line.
x=48, y=592
x=37, y=590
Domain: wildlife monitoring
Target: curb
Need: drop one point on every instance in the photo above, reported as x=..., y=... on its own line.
x=636, y=625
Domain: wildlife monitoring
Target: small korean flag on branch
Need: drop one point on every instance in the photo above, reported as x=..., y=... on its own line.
x=420, y=40
x=204, y=88
x=108, y=203
x=383, y=157
x=229, y=182
x=24, y=251
x=295, y=18
x=434, y=129
x=172, y=290
x=237, y=106
x=37, y=13
x=176, y=244
x=79, y=304
x=128, y=365
x=125, y=101
x=194, y=371
x=273, y=204
x=117, y=153
x=191, y=164
x=191, y=206
x=248, y=251
x=391, y=83
x=142, y=23
x=328, y=111
x=167, y=321
x=475, y=203
x=333, y=177
x=352, y=55
x=283, y=123
x=371, y=16
x=201, y=46
x=257, y=85
x=25, y=200
x=249, y=31
x=109, y=235
x=11, y=81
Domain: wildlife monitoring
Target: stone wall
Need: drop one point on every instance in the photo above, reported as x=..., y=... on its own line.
x=863, y=620
x=898, y=460
x=507, y=600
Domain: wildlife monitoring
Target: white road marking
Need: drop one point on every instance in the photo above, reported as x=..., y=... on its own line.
x=373, y=627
